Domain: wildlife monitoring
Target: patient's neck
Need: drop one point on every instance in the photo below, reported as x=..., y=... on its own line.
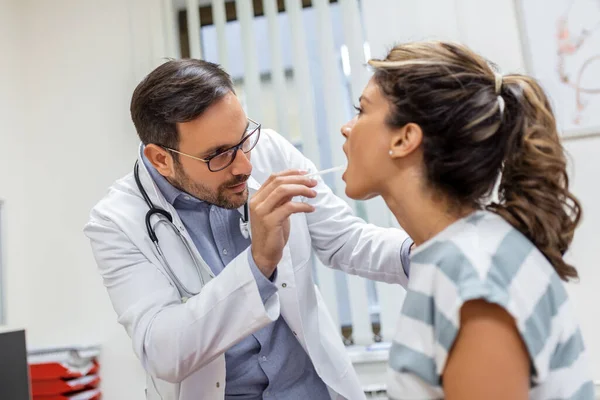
x=421, y=212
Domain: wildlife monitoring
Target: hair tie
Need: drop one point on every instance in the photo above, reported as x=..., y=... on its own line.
x=499, y=79
x=501, y=104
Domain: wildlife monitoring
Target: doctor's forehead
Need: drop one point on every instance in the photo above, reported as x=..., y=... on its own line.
x=222, y=124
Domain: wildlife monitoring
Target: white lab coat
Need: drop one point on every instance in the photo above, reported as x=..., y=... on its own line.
x=181, y=344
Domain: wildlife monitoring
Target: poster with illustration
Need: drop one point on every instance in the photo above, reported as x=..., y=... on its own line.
x=561, y=41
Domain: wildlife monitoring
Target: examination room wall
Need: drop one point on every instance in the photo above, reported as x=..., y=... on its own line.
x=12, y=166
x=73, y=64
x=67, y=70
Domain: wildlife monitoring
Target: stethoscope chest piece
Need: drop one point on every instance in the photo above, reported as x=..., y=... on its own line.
x=244, y=229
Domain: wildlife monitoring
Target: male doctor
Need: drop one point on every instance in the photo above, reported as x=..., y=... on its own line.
x=218, y=308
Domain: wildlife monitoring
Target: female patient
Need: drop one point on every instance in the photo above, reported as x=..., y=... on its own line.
x=486, y=315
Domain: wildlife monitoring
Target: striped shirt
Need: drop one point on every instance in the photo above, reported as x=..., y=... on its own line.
x=484, y=257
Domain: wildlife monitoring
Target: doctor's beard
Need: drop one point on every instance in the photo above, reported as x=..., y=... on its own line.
x=222, y=198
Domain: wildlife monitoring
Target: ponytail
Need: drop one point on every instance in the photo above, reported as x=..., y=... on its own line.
x=477, y=124
x=534, y=188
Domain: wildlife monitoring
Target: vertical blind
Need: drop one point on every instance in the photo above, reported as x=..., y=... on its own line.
x=301, y=64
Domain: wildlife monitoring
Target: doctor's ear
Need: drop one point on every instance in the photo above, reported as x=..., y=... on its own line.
x=405, y=140
x=160, y=158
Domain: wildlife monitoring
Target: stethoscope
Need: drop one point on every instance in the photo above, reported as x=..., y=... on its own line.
x=168, y=218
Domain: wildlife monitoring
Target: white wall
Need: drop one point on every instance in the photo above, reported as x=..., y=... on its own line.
x=73, y=64
x=80, y=75
x=491, y=28
x=585, y=252
x=12, y=161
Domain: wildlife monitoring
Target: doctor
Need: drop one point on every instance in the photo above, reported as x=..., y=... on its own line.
x=217, y=307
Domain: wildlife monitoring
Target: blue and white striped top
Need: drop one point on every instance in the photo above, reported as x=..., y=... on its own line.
x=484, y=257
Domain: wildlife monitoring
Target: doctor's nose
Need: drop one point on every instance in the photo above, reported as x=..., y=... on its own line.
x=241, y=165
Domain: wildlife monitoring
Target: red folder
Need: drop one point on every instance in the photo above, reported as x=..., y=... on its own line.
x=93, y=394
x=60, y=386
x=47, y=371
x=62, y=363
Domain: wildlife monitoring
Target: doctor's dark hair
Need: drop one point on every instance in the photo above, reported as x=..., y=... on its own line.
x=176, y=91
x=479, y=127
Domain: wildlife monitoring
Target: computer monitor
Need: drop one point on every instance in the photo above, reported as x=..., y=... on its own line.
x=14, y=370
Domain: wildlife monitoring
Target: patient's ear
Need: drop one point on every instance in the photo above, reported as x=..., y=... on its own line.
x=405, y=140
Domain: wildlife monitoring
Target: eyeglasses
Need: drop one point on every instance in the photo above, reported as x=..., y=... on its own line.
x=220, y=161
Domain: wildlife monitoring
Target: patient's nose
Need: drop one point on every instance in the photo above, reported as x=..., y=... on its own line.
x=347, y=127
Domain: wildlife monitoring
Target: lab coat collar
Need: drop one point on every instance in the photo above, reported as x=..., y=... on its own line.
x=253, y=184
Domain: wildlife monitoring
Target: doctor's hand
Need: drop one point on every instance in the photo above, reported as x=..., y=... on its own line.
x=270, y=209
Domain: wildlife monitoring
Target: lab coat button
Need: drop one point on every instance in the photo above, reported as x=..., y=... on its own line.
x=225, y=251
x=218, y=384
x=284, y=285
x=263, y=358
x=294, y=332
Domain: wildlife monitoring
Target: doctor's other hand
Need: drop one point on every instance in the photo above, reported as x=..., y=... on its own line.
x=270, y=209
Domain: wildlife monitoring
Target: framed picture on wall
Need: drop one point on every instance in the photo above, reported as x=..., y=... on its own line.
x=561, y=42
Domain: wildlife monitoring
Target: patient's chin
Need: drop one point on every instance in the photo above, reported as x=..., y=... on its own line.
x=356, y=192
